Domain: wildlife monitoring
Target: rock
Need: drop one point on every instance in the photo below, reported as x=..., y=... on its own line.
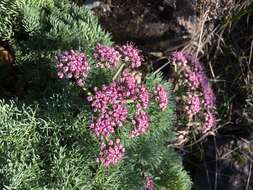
x=149, y=24
x=91, y=4
x=225, y=165
x=185, y=14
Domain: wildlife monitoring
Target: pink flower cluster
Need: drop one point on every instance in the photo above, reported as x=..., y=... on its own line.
x=132, y=90
x=200, y=99
x=109, y=104
x=72, y=65
x=107, y=122
x=141, y=124
x=179, y=57
x=208, y=95
x=193, y=105
x=161, y=97
x=110, y=154
x=106, y=56
x=102, y=98
x=209, y=121
x=149, y=183
x=109, y=57
x=131, y=54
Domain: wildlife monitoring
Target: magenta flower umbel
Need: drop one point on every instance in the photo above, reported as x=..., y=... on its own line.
x=192, y=78
x=140, y=123
x=193, y=104
x=179, y=57
x=111, y=154
x=131, y=55
x=209, y=121
x=102, y=98
x=149, y=183
x=106, y=56
x=109, y=104
x=161, y=96
x=209, y=97
x=143, y=96
x=107, y=122
x=128, y=85
x=72, y=65
x=200, y=99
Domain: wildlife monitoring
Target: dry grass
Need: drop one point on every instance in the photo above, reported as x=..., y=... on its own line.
x=214, y=17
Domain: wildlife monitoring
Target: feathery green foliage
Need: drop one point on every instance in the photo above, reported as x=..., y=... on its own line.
x=8, y=19
x=39, y=29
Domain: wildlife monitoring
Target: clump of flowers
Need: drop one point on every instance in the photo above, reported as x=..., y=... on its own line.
x=193, y=104
x=161, y=96
x=209, y=121
x=72, y=65
x=140, y=122
x=109, y=120
x=131, y=89
x=110, y=103
x=199, y=101
x=106, y=56
x=149, y=183
x=131, y=55
x=109, y=106
x=110, y=154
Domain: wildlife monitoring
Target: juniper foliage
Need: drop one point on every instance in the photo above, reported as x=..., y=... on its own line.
x=44, y=139
x=38, y=29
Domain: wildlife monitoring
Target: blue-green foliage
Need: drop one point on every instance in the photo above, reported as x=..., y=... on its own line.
x=45, y=142
x=9, y=13
x=47, y=27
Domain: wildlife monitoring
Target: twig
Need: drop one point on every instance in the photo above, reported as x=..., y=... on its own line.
x=159, y=69
x=228, y=153
x=206, y=135
x=211, y=69
x=118, y=71
x=246, y=141
x=201, y=33
x=250, y=56
x=249, y=176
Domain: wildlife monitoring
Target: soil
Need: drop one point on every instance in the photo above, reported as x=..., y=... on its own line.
x=151, y=25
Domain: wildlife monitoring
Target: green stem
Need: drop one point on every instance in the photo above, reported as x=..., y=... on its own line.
x=127, y=101
x=118, y=71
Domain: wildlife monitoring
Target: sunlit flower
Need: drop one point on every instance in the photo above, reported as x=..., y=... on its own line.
x=111, y=154
x=72, y=65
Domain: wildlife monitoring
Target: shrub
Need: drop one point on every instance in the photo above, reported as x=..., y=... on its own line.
x=197, y=102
